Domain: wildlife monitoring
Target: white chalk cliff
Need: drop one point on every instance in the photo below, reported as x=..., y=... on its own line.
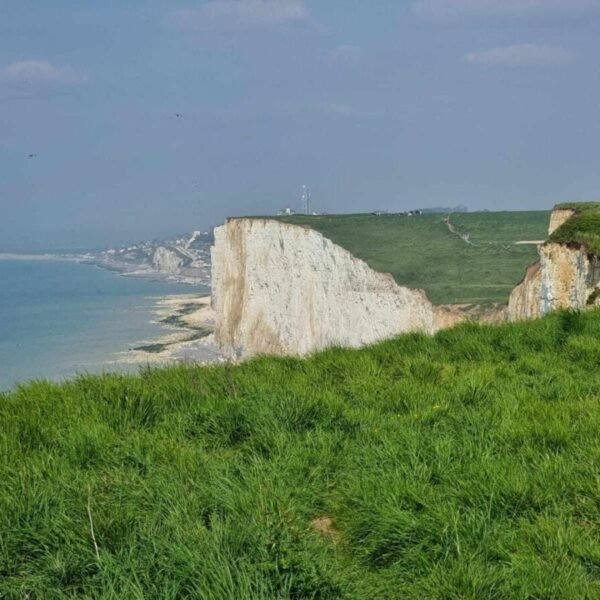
x=166, y=260
x=565, y=277
x=286, y=289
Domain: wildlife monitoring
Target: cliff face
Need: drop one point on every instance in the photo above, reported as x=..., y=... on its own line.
x=285, y=289
x=558, y=217
x=525, y=299
x=565, y=277
x=166, y=260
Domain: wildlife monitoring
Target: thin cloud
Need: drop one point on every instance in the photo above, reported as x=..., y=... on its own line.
x=223, y=15
x=451, y=9
x=523, y=55
x=347, y=54
x=39, y=71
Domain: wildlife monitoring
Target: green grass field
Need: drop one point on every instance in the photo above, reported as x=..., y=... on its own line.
x=583, y=228
x=421, y=252
x=460, y=466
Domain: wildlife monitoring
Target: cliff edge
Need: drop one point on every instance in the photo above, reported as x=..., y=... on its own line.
x=286, y=289
x=567, y=274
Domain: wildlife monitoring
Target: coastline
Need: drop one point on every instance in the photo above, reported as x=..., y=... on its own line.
x=39, y=257
x=188, y=320
x=123, y=269
x=60, y=318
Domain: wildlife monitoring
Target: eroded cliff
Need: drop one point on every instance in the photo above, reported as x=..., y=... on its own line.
x=286, y=289
x=281, y=288
x=566, y=276
x=167, y=260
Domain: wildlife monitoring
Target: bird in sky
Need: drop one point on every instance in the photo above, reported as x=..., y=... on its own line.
x=31, y=155
x=178, y=115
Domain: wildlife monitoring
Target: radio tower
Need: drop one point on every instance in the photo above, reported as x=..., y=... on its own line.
x=306, y=200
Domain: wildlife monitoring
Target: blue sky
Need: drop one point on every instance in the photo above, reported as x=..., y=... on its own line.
x=373, y=103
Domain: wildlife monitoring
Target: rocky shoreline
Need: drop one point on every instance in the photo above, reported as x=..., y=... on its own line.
x=189, y=322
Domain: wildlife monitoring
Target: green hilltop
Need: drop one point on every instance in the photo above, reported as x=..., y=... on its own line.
x=463, y=465
x=475, y=261
x=583, y=228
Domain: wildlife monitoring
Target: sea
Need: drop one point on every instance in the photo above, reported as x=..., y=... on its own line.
x=62, y=318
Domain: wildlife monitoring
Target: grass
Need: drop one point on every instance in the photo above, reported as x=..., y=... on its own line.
x=583, y=228
x=421, y=252
x=464, y=465
x=578, y=206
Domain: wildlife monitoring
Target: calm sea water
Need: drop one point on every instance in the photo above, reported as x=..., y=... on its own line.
x=61, y=318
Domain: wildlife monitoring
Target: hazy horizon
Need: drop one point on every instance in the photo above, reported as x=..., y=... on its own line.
x=147, y=119
x=79, y=243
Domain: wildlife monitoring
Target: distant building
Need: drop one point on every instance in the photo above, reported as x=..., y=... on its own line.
x=404, y=213
x=286, y=211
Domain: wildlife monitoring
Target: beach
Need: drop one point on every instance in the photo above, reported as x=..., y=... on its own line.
x=62, y=318
x=188, y=321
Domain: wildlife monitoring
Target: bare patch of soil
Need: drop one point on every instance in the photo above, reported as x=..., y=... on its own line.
x=324, y=526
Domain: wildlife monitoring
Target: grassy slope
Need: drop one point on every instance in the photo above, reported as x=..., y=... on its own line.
x=422, y=252
x=582, y=228
x=460, y=466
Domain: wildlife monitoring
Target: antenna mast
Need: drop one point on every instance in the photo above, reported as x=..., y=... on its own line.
x=306, y=199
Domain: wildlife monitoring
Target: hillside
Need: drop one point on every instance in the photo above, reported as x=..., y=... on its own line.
x=475, y=260
x=463, y=465
x=185, y=258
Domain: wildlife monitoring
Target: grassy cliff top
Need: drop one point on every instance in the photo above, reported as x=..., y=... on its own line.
x=473, y=259
x=463, y=465
x=578, y=206
x=582, y=228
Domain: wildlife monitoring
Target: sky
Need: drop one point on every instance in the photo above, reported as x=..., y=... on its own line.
x=374, y=104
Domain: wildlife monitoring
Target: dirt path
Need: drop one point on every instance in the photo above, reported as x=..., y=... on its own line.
x=463, y=236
